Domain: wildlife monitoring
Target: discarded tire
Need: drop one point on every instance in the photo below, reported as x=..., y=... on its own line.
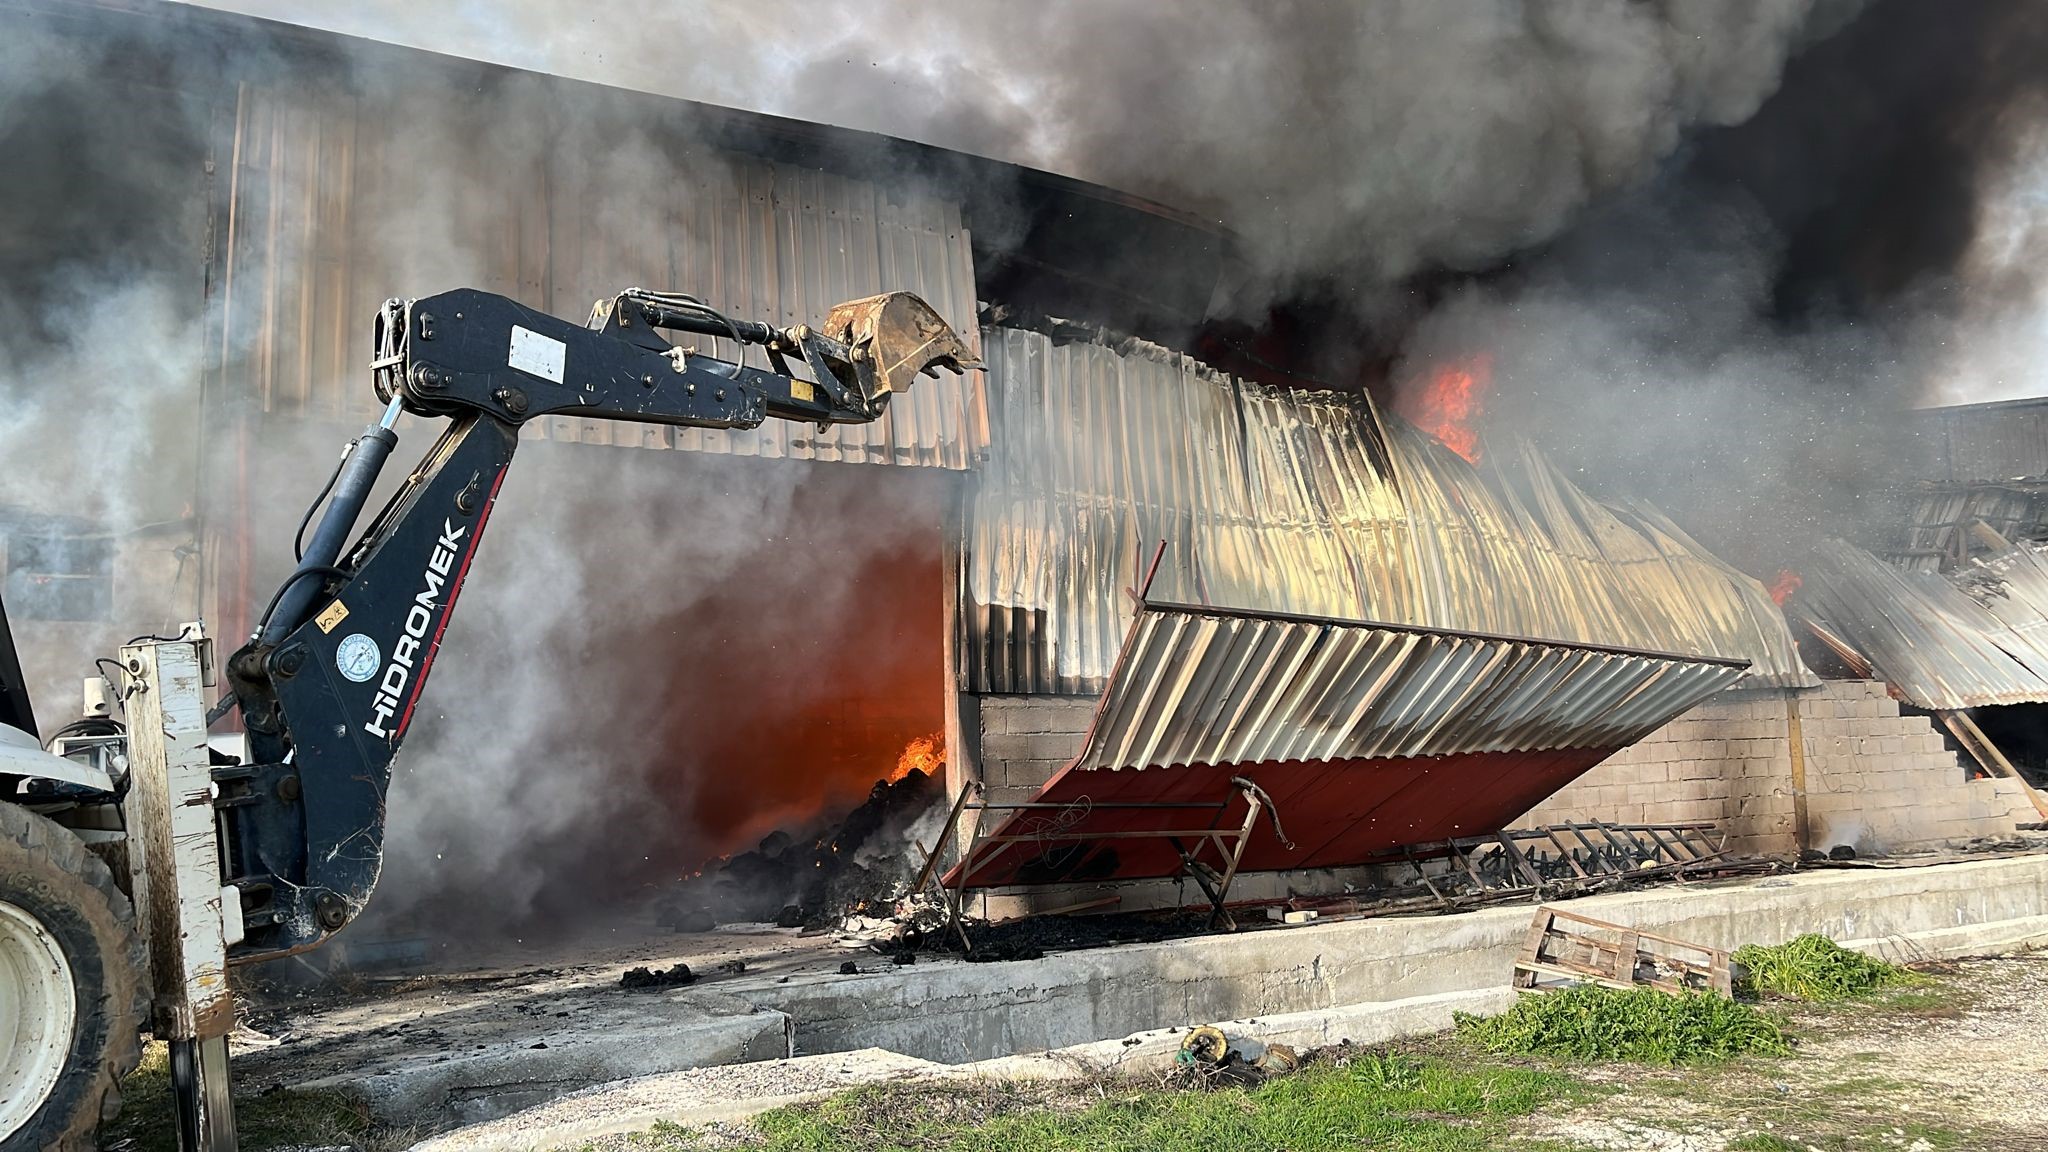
x=70, y=978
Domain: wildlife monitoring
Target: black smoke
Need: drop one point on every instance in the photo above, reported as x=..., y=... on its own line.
x=1741, y=336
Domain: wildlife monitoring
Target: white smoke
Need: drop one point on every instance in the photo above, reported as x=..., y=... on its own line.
x=548, y=711
x=1988, y=336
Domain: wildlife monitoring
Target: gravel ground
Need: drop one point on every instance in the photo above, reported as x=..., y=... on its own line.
x=1961, y=1062
x=701, y=1095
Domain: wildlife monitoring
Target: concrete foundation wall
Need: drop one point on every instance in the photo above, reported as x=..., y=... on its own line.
x=953, y=1011
x=1875, y=779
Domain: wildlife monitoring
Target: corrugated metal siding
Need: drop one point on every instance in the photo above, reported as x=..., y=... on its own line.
x=1202, y=687
x=323, y=223
x=1982, y=442
x=1974, y=637
x=1297, y=502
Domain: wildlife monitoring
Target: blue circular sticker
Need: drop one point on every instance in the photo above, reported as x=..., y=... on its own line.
x=358, y=657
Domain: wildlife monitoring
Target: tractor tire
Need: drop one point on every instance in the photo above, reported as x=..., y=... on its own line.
x=72, y=996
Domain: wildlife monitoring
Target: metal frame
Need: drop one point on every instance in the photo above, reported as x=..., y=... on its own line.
x=1229, y=844
x=1553, y=860
x=1621, y=850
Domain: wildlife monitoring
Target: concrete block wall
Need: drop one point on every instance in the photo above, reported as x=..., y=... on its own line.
x=1875, y=778
x=1727, y=761
x=1880, y=780
x=1026, y=739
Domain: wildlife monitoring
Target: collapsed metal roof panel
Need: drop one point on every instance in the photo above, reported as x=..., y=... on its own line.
x=1301, y=502
x=1974, y=637
x=1336, y=814
x=1366, y=736
x=1213, y=686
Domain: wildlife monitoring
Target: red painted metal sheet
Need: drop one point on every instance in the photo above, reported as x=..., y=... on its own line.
x=1338, y=813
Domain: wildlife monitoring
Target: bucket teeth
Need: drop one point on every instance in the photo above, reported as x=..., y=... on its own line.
x=901, y=337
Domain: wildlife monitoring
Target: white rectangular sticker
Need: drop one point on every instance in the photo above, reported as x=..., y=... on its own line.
x=536, y=354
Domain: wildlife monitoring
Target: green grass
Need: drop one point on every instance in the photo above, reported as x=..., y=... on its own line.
x=1591, y=1022
x=1813, y=967
x=263, y=1120
x=1380, y=1101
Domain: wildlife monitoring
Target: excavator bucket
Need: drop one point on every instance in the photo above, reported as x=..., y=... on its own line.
x=901, y=336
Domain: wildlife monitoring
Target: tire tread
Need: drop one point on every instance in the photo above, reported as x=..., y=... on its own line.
x=126, y=1009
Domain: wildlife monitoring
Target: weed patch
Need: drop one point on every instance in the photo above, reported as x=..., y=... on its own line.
x=1380, y=1100
x=1813, y=967
x=1592, y=1022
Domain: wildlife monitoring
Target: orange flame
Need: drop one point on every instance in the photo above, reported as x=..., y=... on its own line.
x=927, y=754
x=1446, y=405
x=1784, y=586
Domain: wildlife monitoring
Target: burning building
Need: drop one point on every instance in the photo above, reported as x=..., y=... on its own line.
x=1134, y=561
x=1948, y=607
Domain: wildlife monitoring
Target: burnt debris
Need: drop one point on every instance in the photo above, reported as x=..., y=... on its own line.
x=816, y=878
x=654, y=979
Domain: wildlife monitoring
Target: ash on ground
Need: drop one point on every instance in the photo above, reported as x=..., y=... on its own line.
x=1030, y=938
x=851, y=872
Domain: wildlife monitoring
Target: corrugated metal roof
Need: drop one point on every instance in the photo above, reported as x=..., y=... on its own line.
x=1366, y=736
x=1297, y=502
x=309, y=252
x=1976, y=636
x=1202, y=686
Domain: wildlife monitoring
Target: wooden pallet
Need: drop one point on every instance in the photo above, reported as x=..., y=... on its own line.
x=1615, y=955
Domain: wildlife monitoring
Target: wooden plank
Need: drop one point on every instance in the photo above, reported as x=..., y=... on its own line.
x=1539, y=927
x=1987, y=754
x=1795, y=740
x=172, y=824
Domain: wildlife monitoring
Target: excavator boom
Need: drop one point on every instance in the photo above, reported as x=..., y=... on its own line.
x=330, y=684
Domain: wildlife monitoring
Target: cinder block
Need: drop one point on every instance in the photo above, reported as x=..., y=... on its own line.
x=1007, y=794
x=1652, y=773
x=1004, y=746
x=1030, y=774
x=1053, y=745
